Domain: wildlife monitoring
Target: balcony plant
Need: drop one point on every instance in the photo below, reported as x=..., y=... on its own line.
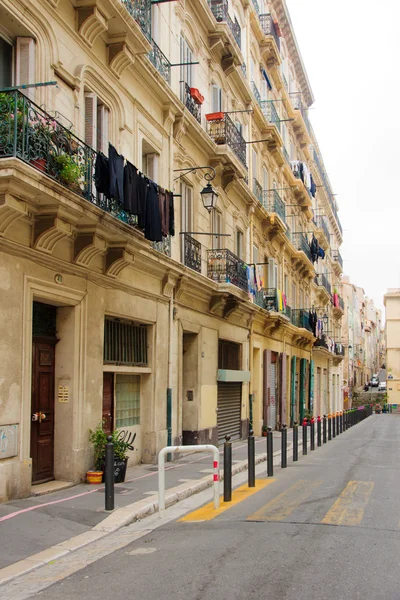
x=68, y=169
x=215, y=116
x=197, y=97
x=98, y=438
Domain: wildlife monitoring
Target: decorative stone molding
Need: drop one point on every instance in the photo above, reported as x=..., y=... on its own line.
x=232, y=306
x=168, y=285
x=11, y=209
x=217, y=303
x=228, y=64
x=87, y=246
x=181, y=287
x=91, y=23
x=49, y=230
x=117, y=259
x=120, y=58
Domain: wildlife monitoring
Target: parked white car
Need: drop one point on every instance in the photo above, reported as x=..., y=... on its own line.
x=382, y=386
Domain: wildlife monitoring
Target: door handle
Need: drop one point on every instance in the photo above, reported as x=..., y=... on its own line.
x=38, y=416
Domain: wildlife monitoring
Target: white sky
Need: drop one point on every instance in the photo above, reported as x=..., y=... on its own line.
x=351, y=51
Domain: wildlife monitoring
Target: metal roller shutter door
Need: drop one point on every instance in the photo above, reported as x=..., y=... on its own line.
x=229, y=410
x=272, y=402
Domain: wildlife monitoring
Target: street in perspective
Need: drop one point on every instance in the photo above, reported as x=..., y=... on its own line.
x=199, y=300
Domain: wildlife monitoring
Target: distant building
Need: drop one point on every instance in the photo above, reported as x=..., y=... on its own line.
x=392, y=341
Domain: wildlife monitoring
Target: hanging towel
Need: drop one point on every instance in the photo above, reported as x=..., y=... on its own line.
x=102, y=175
x=116, y=162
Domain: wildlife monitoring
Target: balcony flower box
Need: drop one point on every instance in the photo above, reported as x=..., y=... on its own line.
x=197, y=97
x=217, y=116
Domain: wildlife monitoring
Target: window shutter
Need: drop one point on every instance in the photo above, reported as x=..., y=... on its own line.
x=25, y=64
x=102, y=128
x=152, y=166
x=216, y=99
x=272, y=273
x=265, y=179
x=254, y=164
x=255, y=254
x=90, y=119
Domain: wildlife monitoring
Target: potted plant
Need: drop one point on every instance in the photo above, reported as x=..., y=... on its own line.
x=122, y=441
x=99, y=439
x=216, y=116
x=68, y=169
x=264, y=430
x=197, y=97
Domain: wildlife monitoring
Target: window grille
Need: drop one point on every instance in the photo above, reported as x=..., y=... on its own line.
x=125, y=343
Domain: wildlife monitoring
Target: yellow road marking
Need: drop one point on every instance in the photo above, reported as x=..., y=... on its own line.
x=349, y=507
x=207, y=512
x=284, y=504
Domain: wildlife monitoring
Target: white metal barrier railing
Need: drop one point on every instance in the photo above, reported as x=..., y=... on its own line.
x=161, y=471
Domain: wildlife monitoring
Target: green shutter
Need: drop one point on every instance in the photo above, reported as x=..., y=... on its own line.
x=311, y=391
x=303, y=370
x=293, y=393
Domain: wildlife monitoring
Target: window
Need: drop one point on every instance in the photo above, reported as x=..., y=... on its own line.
x=186, y=214
x=265, y=179
x=286, y=286
x=96, y=123
x=216, y=98
x=239, y=243
x=186, y=56
x=272, y=273
x=17, y=63
x=216, y=224
x=294, y=296
x=150, y=161
x=6, y=64
x=229, y=355
x=254, y=163
x=255, y=254
x=301, y=298
x=125, y=343
x=127, y=400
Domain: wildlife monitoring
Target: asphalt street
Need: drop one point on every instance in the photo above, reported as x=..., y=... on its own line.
x=327, y=527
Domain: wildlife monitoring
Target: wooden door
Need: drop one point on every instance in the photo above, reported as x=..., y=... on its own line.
x=108, y=402
x=42, y=429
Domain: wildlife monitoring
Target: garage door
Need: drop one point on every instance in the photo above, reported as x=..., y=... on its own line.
x=229, y=410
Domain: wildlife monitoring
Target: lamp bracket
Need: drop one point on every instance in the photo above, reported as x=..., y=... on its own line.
x=207, y=176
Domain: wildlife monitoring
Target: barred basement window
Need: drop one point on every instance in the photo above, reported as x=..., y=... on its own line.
x=125, y=343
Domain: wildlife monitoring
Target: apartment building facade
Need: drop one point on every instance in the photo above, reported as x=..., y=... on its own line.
x=176, y=321
x=392, y=344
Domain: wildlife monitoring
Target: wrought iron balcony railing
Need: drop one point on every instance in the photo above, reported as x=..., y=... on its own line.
x=324, y=178
x=267, y=298
x=192, y=249
x=299, y=241
x=297, y=102
x=288, y=233
x=257, y=190
x=341, y=303
x=164, y=246
x=339, y=350
x=288, y=312
x=140, y=10
x=285, y=80
x=256, y=93
x=322, y=342
x=190, y=104
x=273, y=203
x=225, y=267
x=268, y=27
x=30, y=134
x=224, y=131
x=321, y=224
x=301, y=318
x=320, y=279
x=286, y=155
x=244, y=69
x=256, y=6
x=270, y=113
x=221, y=13
x=337, y=257
x=161, y=62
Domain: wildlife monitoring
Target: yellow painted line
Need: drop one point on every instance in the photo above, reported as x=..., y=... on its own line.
x=349, y=507
x=284, y=504
x=208, y=512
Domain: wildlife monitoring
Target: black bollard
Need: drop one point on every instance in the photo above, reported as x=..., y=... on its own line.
x=227, y=469
x=337, y=424
x=251, y=457
x=324, y=430
x=109, y=475
x=284, y=447
x=344, y=421
x=341, y=421
x=312, y=434
x=305, y=437
x=295, y=442
x=319, y=441
x=329, y=427
x=270, y=453
x=333, y=425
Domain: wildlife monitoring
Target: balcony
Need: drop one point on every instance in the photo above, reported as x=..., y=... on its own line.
x=273, y=203
x=325, y=290
x=140, y=10
x=270, y=113
x=300, y=318
x=324, y=238
x=224, y=132
x=338, y=306
x=300, y=243
x=267, y=299
x=257, y=190
x=225, y=267
x=337, y=262
x=220, y=11
x=298, y=105
x=161, y=62
x=256, y=93
x=192, y=253
x=270, y=47
x=193, y=108
x=324, y=179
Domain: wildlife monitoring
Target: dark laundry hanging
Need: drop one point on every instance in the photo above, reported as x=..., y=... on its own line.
x=171, y=226
x=164, y=211
x=313, y=188
x=130, y=189
x=321, y=252
x=152, y=225
x=116, y=162
x=102, y=175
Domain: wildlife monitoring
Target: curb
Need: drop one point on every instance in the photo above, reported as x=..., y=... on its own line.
x=120, y=518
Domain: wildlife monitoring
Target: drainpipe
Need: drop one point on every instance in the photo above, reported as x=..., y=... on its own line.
x=169, y=388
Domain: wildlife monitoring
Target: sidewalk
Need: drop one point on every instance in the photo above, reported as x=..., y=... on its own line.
x=33, y=525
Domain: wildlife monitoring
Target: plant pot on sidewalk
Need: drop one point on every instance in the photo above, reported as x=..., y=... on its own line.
x=120, y=466
x=94, y=476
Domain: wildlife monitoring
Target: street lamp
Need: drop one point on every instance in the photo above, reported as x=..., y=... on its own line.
x=209, y=197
